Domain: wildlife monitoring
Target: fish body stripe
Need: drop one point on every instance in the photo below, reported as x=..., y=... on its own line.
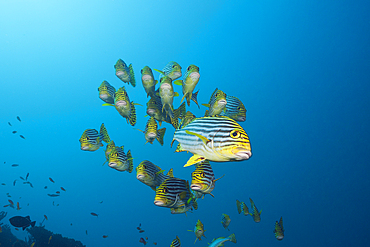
x=216, y=129
x=232, y=106
x=176, y=242
x=203, y=174
x=170, y=190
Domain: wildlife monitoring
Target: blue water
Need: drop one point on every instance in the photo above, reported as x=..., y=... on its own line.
x=301, y=68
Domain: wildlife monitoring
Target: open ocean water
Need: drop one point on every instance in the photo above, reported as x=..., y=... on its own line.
x=301, y=68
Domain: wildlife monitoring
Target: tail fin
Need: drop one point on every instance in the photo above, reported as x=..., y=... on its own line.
x=104, y=133
x=33, y=223
x=232, y=238
x=160, y=135
x=194, y=98
x=130, y=162
x=170, y=173
x=132, y=118
x=132, y=75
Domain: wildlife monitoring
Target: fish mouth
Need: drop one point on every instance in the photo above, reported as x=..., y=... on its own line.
x=151, y=135
x=103, y=96
x=175, y=75
x=222, y=102
x=159, y=203
x=165, y=86
x=150, y=112
x=121, y=103
x=196, y=187
x=241, y=119
x=194, y=75
x=242, y=153
x=147, y=78
x=120, y=73
x=85, y=148
x=140, y=176
x=112, y=164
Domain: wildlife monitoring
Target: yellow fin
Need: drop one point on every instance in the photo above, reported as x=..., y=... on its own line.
x=159, y=172
x=205, y=140
x=196, y=158
x=176, y=94
x=178, y=82
x=107, y=104
x=160, y=71
x=206, y=105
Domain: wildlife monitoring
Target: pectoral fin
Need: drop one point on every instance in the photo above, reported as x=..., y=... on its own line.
x=196, y=158
x=107, y=104
x=204, y=139
x=160, y=71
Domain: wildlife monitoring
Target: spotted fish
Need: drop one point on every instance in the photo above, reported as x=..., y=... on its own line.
x=126, y=74
x=188, y=83
x=213, y=138
x=152, y=132
x=279, y=229
x=256, y=215
x=120, y=161
x=203, y=178
x=91, y=139
x=216, y=104
x=235, y=109
x=151, y=175
x=106, y=92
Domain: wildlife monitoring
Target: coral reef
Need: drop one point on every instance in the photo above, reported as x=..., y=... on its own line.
x=43, y=237
x=7, y=239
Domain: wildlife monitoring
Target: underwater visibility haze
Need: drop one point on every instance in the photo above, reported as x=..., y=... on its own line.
x=294, y=171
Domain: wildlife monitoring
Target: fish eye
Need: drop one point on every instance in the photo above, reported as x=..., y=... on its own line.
x=202, y=174
x=188, y=68
x=144, y=166
x=235, y=134
x=173, y=66
x=239, y=108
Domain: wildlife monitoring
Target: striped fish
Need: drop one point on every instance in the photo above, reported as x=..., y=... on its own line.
x=255, y=214
x=152, y=132
x=148, y=81
x=213, y=138
x=176, y=242
x=124, y=73
x=108, y=150
x=172, y=70
x=151, y=175
x=216, y=104
x=172, y=193
x=279, y=229
x=244, y=208
x=225, y=221
x=106, y=92
x=120, y=161
x=188, y=83
x=238, y=206
x=218, y=242
x=203, y=178
x=124, y=107
x=91, y=139
x=235, y=109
